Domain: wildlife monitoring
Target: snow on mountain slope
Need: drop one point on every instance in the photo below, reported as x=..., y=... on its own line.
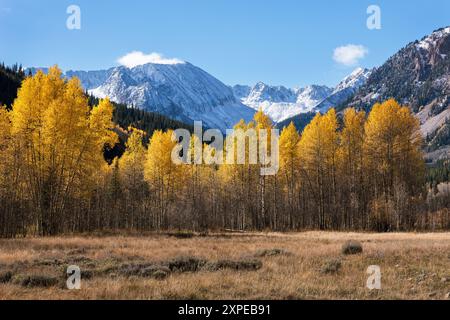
x=90, y=79
x=181, y=91
x=418, y=76
x=261, y=92
x=431, y=41
x=345, y=89
x=186, y=93
x=280, y=102
x=241, y=91
x=354, y=80
x=310, y=96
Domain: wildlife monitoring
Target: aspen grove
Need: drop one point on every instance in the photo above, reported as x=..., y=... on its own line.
x=346, y=171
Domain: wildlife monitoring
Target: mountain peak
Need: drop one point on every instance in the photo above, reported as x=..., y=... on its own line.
x=355, y=79
x=432, y=40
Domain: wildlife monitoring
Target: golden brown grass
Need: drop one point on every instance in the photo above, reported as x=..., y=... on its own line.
x=413, y=266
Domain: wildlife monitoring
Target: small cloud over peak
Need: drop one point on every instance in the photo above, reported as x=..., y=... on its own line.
x=350, y=54
x=137, y=58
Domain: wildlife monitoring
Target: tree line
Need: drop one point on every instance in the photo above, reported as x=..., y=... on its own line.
x=363, y=172
x=10, y=80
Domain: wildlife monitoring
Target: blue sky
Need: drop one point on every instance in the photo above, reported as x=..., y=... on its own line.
x=283, y=42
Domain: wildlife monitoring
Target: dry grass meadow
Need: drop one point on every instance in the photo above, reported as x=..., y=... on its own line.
x=306, y=265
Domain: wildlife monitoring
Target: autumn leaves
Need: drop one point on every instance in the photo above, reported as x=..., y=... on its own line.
x=54, y=148
x=348, y=171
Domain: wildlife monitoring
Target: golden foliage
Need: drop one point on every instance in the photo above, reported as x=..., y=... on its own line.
x=61, y=143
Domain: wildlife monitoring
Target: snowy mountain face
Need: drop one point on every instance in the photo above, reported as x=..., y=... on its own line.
x=262, y=92
x=354, y=81
x=90, y=79
x=279, y=102
x=282, y=103
x=186, y=93
x=180, y=91
x=345, y=89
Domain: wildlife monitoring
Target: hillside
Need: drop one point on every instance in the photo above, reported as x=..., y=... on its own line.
x=418, y=76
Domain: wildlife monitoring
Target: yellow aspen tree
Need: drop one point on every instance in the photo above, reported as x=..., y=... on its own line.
x=212, y=183
x=131, y=168
x=394, y=159
x=5, y=128
x=60, y=141
x=240, y=186
x=193, y=191
x=392, y=144
x=351, y=171
x=267, y=185
x=101, y=125
x=318, y=150
x=9, y=188
x=289, y=162
x=162, y=174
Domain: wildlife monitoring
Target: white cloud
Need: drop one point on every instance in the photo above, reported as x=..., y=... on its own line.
x=137, y=58
x=350, y=54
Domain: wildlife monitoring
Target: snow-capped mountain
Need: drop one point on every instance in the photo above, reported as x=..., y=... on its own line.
x=345, y=89
x=417, y=75
x=180, y=91
x=279, y=102
x=310, y=96
x=282, y=103
x=186, y=93
x=261, y=92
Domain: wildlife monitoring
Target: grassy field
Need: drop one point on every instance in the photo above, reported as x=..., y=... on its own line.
x=306, y=265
